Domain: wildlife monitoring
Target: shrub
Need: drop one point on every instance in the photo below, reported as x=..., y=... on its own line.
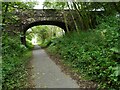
x=14, y=59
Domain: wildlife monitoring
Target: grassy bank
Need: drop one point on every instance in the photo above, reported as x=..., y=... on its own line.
x=94, y=53
x=15, y=57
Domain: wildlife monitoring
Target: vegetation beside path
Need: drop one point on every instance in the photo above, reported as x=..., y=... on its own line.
x=93, y=54
x=15, y=57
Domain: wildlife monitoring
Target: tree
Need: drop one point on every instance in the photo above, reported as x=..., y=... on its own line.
x=85, y=10
x=9, y=8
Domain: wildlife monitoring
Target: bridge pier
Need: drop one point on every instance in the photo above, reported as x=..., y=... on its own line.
x=23, y=40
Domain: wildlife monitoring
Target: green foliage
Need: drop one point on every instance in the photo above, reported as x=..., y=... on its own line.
x=94, y=53
x=46, y=43
x=14, y=59
x=85, y=19
x=10, y=8
x=44, y=34
x=29, y=45
x=14, y=54
x=55, y=5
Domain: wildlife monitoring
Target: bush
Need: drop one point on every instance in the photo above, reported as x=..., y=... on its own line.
x=29, y=45
x=94, y=53
x=46, y=43
x=14, y=59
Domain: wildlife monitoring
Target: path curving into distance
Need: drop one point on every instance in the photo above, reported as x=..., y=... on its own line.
x=46, y=74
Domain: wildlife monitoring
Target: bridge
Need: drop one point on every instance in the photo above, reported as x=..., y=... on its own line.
x=60, y=18
x=64, y=19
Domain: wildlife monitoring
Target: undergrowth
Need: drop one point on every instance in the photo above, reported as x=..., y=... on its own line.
x=14, y=60
x=94, y=53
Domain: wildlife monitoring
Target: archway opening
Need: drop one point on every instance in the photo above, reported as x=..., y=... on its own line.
x=43, y=35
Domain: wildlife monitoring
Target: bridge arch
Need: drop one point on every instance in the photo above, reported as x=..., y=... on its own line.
x=62, y=25
x=54, y=23
x=60, y=18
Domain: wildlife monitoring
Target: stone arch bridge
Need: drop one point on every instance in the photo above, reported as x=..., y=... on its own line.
x=62, y=18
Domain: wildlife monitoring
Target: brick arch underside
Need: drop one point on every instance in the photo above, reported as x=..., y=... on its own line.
x=55, y=23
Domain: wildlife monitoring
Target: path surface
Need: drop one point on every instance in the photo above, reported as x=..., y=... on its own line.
x=47, y=74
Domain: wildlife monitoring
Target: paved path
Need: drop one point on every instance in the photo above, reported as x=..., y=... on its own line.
x=47, y=74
